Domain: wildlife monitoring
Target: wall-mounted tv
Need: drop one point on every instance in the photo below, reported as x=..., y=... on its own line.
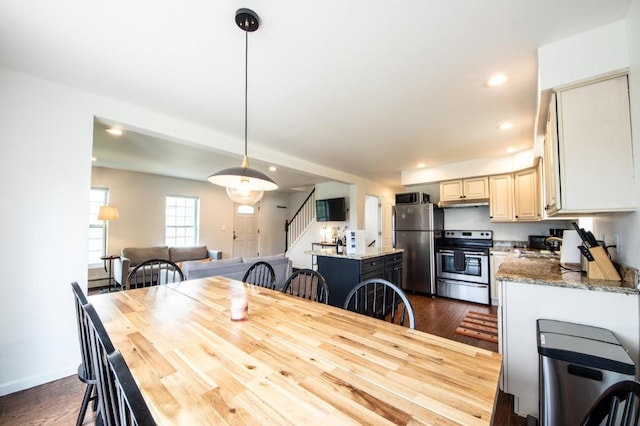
x=331, y=210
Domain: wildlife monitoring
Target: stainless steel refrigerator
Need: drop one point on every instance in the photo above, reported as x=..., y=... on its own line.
x=416, y=227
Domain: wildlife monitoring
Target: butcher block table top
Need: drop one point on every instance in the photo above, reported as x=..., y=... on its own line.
x=292, y=361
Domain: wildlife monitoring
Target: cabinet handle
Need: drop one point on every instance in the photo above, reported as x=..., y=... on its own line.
x=490, y=217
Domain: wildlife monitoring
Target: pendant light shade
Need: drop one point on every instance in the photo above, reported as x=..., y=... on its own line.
x=244, y=185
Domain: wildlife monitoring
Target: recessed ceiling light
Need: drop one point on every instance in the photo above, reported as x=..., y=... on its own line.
x=496, y=80
x=272, y=169
x=421, y=165
x=114, y=131
x=506, y=125
x=510, y=150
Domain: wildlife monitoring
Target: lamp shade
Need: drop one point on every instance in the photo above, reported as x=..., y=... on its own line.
x=108, y=213
x=243, y=184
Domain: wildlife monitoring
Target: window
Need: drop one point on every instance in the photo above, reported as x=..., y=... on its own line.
x=181, y=221
x=97, y=229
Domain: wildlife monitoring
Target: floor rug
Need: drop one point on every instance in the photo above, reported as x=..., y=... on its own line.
x=480, y=326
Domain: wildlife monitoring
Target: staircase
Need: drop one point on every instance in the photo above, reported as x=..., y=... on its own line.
x=300, y=221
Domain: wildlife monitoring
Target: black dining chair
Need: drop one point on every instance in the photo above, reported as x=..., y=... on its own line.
x=618, y=405
x=101, y=346
x=85, y=369
x=261, y=274
x=381, y=299
x=153, y=272
x=130, y=407
x=308, y=284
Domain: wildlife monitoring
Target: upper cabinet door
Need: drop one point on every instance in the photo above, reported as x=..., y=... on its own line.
x=527, y=195
x=550, y=162
x=595, y=157
x=451, y=190
x=476, y=188
x=501, y=198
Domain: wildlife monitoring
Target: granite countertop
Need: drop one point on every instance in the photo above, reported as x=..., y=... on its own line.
x=371, y=252
x=546, y=270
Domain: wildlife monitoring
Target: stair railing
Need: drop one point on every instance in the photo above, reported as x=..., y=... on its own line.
x=295, y=227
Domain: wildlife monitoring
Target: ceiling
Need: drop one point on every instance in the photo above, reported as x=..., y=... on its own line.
x=369, y=88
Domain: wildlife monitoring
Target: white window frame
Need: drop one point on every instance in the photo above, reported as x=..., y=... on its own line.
x=98, y=197
x=182, y=220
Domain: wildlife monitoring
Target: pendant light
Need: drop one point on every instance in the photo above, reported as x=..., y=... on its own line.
x=244, y=185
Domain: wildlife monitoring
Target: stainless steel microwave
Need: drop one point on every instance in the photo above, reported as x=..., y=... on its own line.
x=412, y=198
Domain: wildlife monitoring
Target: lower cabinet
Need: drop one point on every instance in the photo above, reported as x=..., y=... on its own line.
x=344, y=273
x=521, y=304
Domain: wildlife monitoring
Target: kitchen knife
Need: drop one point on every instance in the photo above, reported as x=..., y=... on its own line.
x=592, y=239
x=581, y=233
x=586, y=253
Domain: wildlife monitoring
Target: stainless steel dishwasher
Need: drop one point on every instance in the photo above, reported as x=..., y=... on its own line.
x=576, y=363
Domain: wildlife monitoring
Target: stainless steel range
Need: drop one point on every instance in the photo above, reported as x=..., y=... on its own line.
x=462, y=265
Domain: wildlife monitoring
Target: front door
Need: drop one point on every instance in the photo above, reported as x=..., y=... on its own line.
x=245, y=231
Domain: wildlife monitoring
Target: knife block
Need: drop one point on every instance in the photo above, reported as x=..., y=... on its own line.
x=601, y=268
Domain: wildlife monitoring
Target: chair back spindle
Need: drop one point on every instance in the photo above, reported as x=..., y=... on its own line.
x=308, y=284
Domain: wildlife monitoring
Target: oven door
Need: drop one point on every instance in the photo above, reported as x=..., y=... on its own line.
x=476, y=266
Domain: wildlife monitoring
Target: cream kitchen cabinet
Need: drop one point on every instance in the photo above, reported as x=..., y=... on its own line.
x=526, y=195
x=465, y=189
x=588, y=152
x=501, y=198
x=522, y=303
x=515, y=196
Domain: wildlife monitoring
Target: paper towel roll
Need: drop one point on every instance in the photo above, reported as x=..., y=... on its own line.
x=569, y=252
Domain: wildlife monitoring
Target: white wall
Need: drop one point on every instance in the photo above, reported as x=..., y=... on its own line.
x=627, y=226
x=274, y=211
x=44, y=182
x=140, y=198
x=478, y=218
x=586, y=55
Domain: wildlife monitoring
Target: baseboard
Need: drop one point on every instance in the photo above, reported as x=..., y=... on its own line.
x=98, y=282
x=7, y=388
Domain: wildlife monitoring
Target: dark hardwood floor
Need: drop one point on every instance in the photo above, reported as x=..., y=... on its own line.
x=57, y=403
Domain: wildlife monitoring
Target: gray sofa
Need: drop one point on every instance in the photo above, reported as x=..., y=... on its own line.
x=235, y=268
x=130, y=257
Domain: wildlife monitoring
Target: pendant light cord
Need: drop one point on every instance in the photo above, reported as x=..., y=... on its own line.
x=246, y=78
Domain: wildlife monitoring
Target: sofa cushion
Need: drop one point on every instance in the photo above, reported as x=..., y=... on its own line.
x=252, y=260
x=137, y=255
x=180, y=254
x=236, y=268
x=231, y=261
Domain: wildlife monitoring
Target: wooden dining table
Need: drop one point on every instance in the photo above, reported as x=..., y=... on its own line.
x=292, y=361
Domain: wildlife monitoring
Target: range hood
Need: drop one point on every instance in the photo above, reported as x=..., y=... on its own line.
x=464, y=203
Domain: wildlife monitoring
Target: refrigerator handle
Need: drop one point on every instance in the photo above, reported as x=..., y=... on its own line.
x=393, y=226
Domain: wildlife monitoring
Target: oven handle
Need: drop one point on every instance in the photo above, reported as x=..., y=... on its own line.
x=464, y=283
x=466, y=253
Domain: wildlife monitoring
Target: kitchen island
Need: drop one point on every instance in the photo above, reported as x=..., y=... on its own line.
x=535, y=287
x=344, y=272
